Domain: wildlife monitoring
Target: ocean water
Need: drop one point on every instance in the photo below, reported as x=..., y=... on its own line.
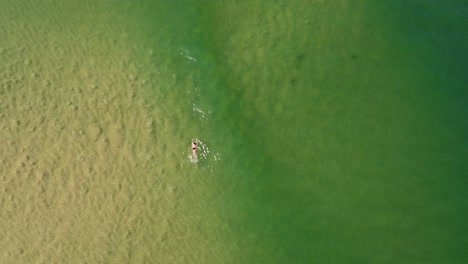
x=329, y=131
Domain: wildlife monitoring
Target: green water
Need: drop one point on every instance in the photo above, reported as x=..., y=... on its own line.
x=333, y=131
x=340, y=126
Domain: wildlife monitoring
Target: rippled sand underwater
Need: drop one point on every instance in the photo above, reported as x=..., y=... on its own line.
x=329, y=132
x=86, y=174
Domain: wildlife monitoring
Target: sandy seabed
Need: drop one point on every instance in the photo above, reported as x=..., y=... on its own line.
x=84, y=170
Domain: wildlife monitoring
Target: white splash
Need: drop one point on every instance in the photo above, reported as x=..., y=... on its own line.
x=186, y=54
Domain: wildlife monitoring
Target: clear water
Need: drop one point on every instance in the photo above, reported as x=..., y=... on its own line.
x=329, y=131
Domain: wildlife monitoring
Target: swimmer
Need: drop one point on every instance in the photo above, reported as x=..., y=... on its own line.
x=194, y=148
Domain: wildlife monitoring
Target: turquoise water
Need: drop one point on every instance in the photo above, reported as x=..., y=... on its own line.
x=340, y=126
x=329, y=131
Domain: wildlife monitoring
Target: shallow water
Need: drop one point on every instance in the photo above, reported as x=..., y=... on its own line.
x=328, y=132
